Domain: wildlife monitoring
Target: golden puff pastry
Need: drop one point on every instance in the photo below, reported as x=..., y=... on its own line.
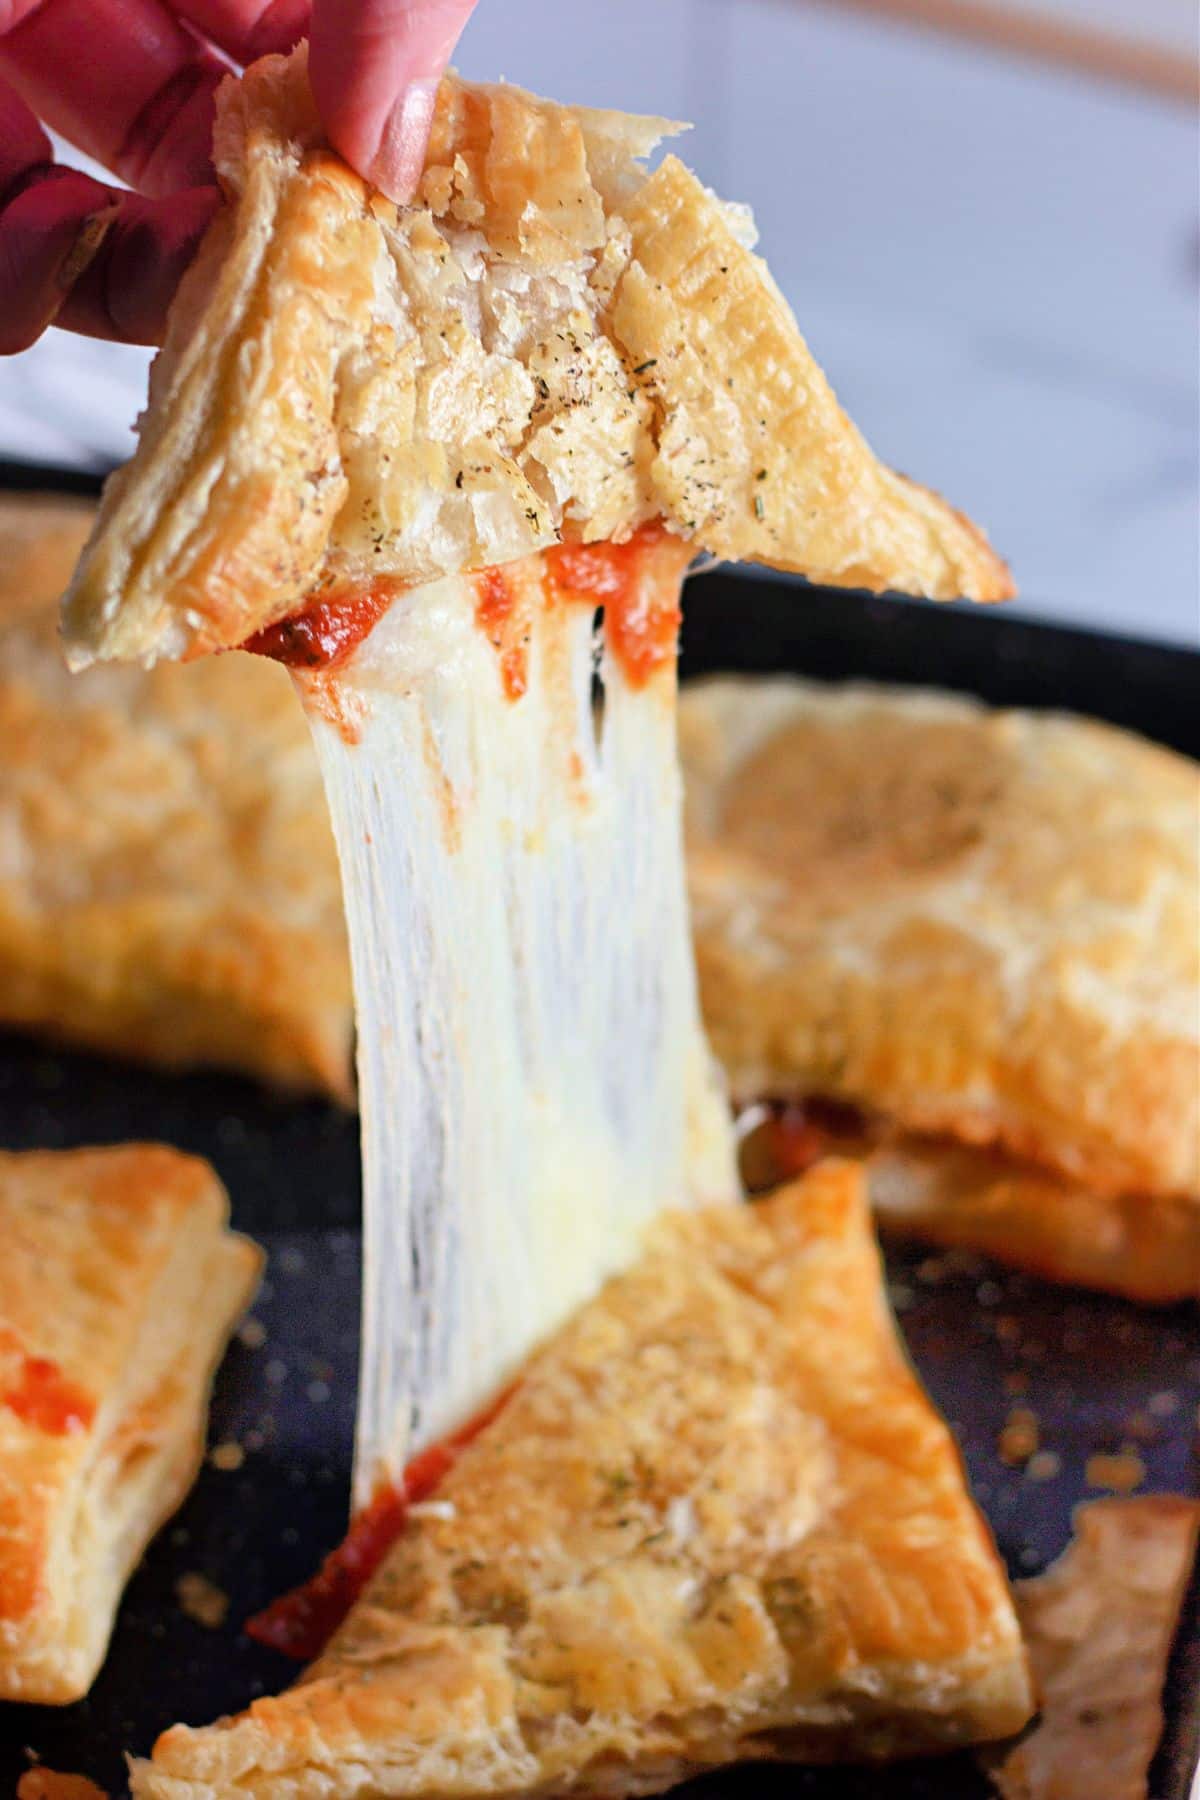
x=717, y=1520
x=1099, y=1625
x=977, y=924
x=550, y=342
x=1143, y=1246
x=168, y=881
x=119, y=1284
x=964, y=1196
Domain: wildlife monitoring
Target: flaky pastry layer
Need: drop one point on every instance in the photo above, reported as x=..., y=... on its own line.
x=1143, y=1246
x=119, y=1284
x=980, y=924
x=718, y=1519
x=168, y=881
x=550, y=343
x=1099, y=1624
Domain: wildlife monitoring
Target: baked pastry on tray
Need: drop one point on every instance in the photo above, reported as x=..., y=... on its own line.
x=119, y=1284
x=980, y=929
x=169, y=887
x=718, y=1519
x=1099, y=1625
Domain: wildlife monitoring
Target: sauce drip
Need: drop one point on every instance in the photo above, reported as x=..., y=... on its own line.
x=44, y=1398
x=327, y=633
x=300, y=1623
x=496, y=617
x=641, y=624
x=798, y=1133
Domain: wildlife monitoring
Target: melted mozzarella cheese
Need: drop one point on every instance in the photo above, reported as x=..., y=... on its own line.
x=534, y=1081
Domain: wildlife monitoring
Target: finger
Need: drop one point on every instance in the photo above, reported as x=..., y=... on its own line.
x=375, y=66
x=125, y=290
x=248, y=29
x=77, y=253
x=125, y=80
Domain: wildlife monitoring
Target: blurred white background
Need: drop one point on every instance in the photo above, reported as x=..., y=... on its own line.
x=994, y=253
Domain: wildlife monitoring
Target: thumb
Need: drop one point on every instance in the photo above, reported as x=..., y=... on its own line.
x=375, y=66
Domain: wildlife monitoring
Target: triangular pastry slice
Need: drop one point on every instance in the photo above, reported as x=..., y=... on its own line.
x=551, y=343
x=119, y=1284
x=168, y=862
x=718, y=1519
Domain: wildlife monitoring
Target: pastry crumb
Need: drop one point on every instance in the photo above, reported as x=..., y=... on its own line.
x=1016, y=1382
x=1044, y=1465
x=46, y=1784
x=227, y=1457
x=1098, y=1626
x=252, y=1333
x=1161, y=1406
x=1019, y=1439
x=1120, y=1471
x=202, y=1600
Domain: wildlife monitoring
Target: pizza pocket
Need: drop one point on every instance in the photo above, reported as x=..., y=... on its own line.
x=717, y=1519
x=168, y=886
x=550, y=342
x=119, y=1285
x=978, y=928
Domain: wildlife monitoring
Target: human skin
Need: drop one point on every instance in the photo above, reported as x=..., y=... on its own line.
x=132, y=83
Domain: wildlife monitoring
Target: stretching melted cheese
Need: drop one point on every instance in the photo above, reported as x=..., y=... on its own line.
x=535, y=1085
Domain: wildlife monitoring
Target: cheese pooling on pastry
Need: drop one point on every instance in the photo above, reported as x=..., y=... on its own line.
x=533, y=1079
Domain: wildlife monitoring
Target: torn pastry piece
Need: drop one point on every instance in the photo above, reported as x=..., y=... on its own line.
x=979, y=929
x=119, y=1285
x=169, y=886
x=718, y=1519
x=550, y=343
x=1099, y=1625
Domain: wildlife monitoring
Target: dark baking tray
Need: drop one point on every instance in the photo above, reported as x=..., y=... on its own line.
x=1086, y=1365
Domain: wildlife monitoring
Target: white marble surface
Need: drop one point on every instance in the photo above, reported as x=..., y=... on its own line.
x=997, y=264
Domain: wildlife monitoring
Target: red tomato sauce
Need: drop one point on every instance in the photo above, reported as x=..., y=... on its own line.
x=801, y=1132
x=641, y=625
x=495, y=611
x=44, y=1398
x=327, y=633
x=301, y=1622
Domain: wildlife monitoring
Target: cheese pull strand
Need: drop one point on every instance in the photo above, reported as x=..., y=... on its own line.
x=534, y=1081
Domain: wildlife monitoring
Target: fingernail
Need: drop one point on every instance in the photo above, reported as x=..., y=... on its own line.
x=398, y=163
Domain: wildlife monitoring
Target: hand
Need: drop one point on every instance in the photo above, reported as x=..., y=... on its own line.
x=131, y=82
